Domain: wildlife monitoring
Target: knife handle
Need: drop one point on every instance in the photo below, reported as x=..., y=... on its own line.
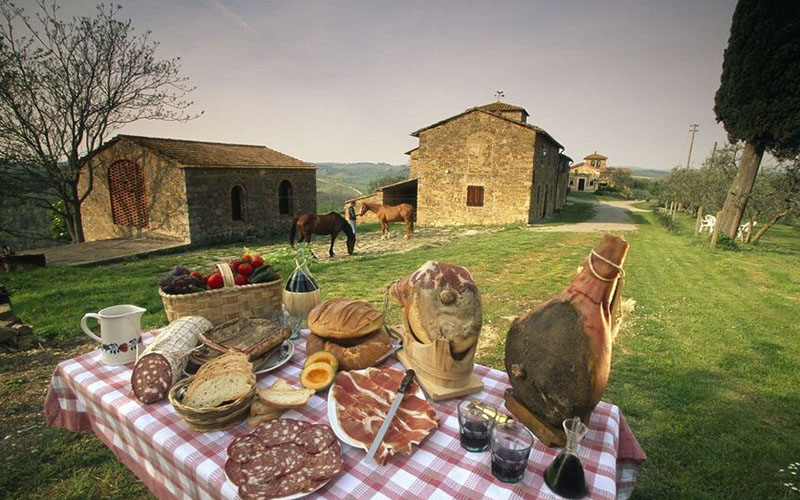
x=406, y=381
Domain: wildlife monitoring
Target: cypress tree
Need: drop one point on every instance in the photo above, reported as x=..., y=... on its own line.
x=758, y=100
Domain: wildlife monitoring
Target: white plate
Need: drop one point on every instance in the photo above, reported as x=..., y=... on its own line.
x=333, y=418
x=278, y=358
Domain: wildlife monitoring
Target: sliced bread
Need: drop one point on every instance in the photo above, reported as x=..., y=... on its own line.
x=285, y=398
x=214, y=391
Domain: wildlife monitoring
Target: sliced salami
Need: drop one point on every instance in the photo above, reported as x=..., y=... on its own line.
x=325, y=464
x=246, y=448
x=273, y=462
x=279, y=432
x=151, y=378
x=315, y=438
x=234, y=471
x=261, y=491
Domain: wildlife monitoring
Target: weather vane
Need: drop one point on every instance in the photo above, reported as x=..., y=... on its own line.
x=498, y=94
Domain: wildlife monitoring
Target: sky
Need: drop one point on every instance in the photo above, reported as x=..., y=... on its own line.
x=348, y=81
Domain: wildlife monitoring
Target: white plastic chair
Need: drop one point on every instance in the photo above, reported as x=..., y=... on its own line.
x=708, y=222
x=744, y=230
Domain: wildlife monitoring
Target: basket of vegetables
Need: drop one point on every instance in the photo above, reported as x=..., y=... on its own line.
x=236, y=289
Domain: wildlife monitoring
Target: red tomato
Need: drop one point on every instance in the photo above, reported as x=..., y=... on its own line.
x=196, y=274
x=247, y=258
x=215, y=281
x=257, y=262
x=245, y=268
x=234, y=264
x=240, y=279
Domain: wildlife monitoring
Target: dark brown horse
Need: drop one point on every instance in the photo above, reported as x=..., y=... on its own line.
x=332, y=223
x=391, y=213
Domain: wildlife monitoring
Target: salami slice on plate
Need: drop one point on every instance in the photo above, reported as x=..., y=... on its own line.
x=315, y=438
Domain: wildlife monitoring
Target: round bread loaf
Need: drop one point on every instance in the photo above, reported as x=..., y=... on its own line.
x=344, y=319
x=352, y=356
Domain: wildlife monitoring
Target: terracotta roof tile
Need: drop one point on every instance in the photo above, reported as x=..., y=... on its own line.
x=216, y=154
x=501, y=106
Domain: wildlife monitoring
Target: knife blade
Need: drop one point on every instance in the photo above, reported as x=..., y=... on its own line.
x=398, y=398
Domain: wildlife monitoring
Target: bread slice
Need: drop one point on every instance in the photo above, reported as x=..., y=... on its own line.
x=254, y=420
x=211, y=392
x=259, y=408
x=283, y=398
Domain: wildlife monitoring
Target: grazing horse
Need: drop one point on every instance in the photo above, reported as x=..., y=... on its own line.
x=332, y=223
x=391, y=213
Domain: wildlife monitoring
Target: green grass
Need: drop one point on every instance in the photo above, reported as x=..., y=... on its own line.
x=705, y=368
x=573, y=212
x=583, y=195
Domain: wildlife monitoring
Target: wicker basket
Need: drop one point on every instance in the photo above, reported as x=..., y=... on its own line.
x=227, y=303
x=219, y=418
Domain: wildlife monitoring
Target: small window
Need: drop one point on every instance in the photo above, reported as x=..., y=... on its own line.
x=474, y=196
x=285, y=198
x=237, y=198
x=571, y=182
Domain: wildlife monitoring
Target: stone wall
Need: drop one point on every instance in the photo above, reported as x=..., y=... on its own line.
x=544, y=190
x=166, y=196
x=476, y=149
x=209, y=198
x=563, y=184
x=376, y=197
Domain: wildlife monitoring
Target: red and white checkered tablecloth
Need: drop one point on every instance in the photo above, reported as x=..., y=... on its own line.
x=176, y=462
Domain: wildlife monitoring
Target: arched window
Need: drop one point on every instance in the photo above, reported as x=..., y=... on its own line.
x=128, y=193
x=237, y=202
x=285, y=198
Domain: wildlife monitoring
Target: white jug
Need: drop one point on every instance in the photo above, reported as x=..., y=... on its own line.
x=120, y=332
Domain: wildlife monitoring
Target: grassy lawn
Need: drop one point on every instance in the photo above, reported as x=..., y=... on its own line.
x=573, y=211
x=705, y=369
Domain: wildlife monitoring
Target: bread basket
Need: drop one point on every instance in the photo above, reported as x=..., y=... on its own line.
x=226, y=303
x=219, y=418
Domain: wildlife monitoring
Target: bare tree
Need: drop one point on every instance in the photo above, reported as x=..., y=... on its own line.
x=67, y=85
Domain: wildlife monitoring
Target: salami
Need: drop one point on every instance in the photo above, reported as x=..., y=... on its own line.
x=163, y=361
x=280, y=432
x=315, y=438
x=324, y=464
x=281, y=458
x=246, y=448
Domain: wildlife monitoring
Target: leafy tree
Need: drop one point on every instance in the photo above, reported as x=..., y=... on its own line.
x=65, y=86
x=758, y=100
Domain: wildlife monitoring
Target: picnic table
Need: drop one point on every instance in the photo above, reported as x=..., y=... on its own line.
x=176, y=462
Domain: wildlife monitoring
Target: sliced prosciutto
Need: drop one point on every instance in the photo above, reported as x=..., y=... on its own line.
x=362, y=400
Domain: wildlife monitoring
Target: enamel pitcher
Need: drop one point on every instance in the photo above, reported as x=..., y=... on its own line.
x=120, y=332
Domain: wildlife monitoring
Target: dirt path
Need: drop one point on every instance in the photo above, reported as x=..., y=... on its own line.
x=608, y=216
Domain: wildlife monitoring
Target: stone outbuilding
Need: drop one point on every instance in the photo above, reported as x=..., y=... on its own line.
x=193, y=191
x=487, y=165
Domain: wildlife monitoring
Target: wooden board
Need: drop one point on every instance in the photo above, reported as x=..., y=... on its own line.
x=438, y=392
x=547, y=434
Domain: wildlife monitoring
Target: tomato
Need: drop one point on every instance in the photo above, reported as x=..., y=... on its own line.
x=215, y=281
x=258, y=261
x=245, y=268
x=234, y=265
x=240, y=279
x=247, y=258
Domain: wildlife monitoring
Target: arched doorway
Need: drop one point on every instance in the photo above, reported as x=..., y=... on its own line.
x=128, y=192
x=285, y=201
x=237, y=203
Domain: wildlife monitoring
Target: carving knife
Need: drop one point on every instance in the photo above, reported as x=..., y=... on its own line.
x=398, y=398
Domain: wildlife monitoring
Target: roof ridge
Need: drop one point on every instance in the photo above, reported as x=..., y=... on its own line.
x=129, y=136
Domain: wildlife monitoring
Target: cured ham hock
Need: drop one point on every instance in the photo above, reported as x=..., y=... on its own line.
x=558, y=355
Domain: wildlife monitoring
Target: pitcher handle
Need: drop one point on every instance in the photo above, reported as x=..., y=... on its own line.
x=85, y=327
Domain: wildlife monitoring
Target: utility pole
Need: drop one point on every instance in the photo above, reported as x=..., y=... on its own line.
x=714, y=151
x=693, y=129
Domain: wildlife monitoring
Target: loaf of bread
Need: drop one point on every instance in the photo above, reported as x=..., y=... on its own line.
x=352, y=355
x=343, y=318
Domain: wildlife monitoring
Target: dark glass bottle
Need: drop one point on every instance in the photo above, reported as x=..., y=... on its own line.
x=565, y=475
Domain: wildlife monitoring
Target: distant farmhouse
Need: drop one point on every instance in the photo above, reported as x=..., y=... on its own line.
x=593, y=173
x=486, y=165
x=197, y=192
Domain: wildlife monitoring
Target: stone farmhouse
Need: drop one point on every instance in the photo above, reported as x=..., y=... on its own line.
x=192, y=191
x=585, y=176
x=486, y=165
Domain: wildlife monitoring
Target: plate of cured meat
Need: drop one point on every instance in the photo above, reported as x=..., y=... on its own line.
x=283, y=459
x=357, y=405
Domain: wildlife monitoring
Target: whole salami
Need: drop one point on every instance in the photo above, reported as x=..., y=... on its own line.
x=163, y=361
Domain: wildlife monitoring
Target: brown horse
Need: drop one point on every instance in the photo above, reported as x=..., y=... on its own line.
x=332, y=223
x=391, y=213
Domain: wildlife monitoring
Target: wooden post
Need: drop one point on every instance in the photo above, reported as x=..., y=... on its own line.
x=699, y=221
x=715, y=234
x=674, y=209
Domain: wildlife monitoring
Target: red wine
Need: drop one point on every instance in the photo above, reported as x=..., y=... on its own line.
x=475, y=436
x=565, y=476
x=509, y=465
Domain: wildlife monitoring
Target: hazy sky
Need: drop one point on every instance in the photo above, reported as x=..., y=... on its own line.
x=348, y=81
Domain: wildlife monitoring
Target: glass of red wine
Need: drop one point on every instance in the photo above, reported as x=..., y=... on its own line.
x=475, y=422
x=511, y=446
